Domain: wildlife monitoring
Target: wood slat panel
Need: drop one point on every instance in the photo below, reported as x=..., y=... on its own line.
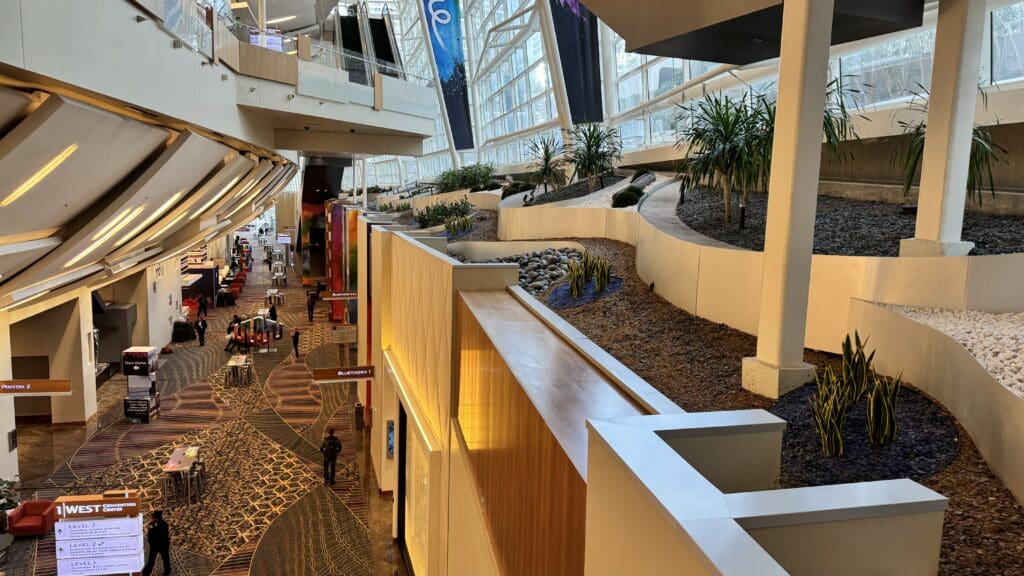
x=524, y=397
x=267, y=64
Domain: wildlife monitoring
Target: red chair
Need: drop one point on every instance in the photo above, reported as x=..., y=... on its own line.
x=32, y=518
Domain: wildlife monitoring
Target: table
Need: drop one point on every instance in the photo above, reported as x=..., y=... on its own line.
x=239, y=364
x=279, y=279
x=184, y=473
x=274, y=296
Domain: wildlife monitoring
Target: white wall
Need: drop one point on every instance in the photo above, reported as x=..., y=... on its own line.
x=98, y=46
x=165, y=302
x=8, y=459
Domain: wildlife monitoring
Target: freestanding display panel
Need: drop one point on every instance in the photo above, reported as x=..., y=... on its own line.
x=139, y=365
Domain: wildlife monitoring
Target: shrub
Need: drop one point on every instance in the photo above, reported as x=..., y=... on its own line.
x=602, y=274
x=399, y=207
x=472, y=176
x=640, y=174
x=829, y=407
x=516, y=188
x=576, y=279
x=439, y=213
x=457, y=226
x=628, y=196
x=857, y=365
x=448, y=181
x=881, y=409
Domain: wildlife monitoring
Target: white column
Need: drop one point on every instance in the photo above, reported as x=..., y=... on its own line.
x=362, y=164
x=959, y=34
x=547, y=33
x=792, y=195
x=8, y=459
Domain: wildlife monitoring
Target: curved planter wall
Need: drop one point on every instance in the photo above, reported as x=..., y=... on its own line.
x=942, y=368
x=487, y=200
x=723, y=284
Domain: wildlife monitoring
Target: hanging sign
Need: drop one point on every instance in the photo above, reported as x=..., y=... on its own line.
x=342, y=374
x=33, y=387
x=329, y=296
x=444, y=23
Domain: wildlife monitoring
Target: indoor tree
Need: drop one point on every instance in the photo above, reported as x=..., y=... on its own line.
x=985, y=153
x=548, y=162
x=593, y=151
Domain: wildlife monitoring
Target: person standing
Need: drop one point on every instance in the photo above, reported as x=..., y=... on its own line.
x=204, y=309
x=274, y=325
x=295, y=342
x=310, y=305
x=331, y=448
x=201, y=327
x=158, y=535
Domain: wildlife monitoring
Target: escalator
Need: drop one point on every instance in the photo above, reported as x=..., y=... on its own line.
x=383, y=46
x=352, y=44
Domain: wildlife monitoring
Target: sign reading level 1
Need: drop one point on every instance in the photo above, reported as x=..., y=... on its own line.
x=334, y=296
x=31, y=387
x=100, y=565
x=344, y=374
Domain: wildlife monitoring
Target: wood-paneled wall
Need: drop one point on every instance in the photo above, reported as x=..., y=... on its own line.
x=267, y=64
x=534, y=499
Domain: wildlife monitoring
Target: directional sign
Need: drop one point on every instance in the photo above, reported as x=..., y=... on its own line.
x=328, y=296
x=91, y=547
x=343, y=374
x=100, y=565
x=99, y=506
x=102, y=528
x=33, y=387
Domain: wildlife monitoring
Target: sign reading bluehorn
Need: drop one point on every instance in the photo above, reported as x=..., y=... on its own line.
x=444, y=23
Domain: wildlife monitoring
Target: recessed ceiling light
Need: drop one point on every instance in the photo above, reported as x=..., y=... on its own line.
x=291, y=52
x=124, y=219
x=239, y=5
x=282, y=19
x=39, y=176
x=159, y=211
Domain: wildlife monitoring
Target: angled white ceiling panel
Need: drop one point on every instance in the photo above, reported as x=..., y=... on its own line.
x=64, y=157
x=168, y=180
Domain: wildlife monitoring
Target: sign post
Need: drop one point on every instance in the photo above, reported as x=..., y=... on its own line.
x=99, y=534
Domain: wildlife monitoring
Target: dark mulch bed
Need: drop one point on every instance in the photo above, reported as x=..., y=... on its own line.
x=576, y=190
x=559, y=298
x=844, y=227
x=926, y=442
x=485, y=227
x=696, y=363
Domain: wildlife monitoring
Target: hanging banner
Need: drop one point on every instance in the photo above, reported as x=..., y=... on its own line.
x=578, y=51
x=444, y=23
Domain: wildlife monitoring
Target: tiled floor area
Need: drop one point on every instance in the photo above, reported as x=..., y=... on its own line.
x=266, y=510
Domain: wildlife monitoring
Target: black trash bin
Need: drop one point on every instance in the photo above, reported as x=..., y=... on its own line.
x=360, y=421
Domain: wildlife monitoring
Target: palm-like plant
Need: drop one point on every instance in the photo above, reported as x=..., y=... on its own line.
x=730, y=140
x=548, y=162
x=984, y=152
x=721, y=150
x=594, y=150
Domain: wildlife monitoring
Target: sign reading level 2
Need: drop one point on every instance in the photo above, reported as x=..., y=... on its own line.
x=35, y=387
x=343, y=374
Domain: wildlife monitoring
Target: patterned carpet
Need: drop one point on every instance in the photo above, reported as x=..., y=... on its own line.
x=266, y=510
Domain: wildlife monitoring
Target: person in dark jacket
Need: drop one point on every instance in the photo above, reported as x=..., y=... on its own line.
x=295, y=342
x=310, y=305
x=204, y=309
x=201, y=327
x=331, y=448
x=158, y=535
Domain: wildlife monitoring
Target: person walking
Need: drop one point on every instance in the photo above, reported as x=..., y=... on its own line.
x=331, y=448
x=204, y=306
x=201, y=327
x=275, y=325
x=295, y=342
x=310, y=305
x=158, y=535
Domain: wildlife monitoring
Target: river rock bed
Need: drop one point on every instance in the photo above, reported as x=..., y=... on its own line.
x=538, y=270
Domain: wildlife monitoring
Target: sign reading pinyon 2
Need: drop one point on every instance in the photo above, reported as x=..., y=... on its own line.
x=99, y=534
x=33, y=387
x=343, y=374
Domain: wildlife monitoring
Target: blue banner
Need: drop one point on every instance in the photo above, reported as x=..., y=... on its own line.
x=444, y=24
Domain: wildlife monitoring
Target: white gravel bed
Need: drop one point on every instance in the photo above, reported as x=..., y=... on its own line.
x=603, y=198
x=995, y=340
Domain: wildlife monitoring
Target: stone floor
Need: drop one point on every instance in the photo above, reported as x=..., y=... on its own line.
x=266, y=510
